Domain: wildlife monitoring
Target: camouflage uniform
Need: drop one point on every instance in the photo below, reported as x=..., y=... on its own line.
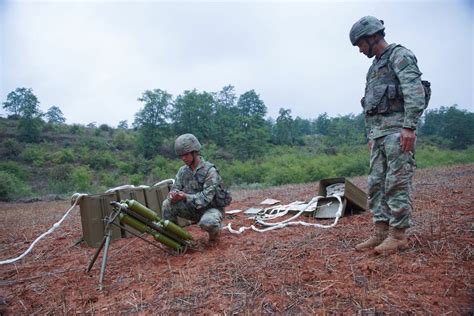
x=394, y=99
x=200, y=187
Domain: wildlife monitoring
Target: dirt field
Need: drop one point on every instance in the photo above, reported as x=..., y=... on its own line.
x=295, y=270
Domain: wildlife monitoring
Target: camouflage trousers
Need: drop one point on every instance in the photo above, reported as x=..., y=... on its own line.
x=209, y=220
x=390, y=182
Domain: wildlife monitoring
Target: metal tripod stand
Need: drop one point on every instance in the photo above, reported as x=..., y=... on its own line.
x=110, y=220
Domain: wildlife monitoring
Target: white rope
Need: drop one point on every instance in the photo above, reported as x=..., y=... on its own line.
x=289, y=222
x=56, y=225
x=167, y=181
x=74, y=200
x=280, y=210
x=132, y=187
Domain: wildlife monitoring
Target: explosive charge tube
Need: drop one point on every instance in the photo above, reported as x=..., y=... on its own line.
x=142, y=210
x=141, y=227
x=175, y=229
x=151, y=215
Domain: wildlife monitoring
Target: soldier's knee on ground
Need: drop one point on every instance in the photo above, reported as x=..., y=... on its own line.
x=211, y=221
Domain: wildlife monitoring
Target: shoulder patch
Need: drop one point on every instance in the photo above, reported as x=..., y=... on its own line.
x=402, y=63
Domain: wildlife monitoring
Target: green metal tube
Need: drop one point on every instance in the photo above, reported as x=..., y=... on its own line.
x=167, y=225
x=141, y=227
x=175, y=229
x=142, y=210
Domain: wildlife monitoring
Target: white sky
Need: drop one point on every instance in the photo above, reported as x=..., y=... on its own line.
x=93, y=59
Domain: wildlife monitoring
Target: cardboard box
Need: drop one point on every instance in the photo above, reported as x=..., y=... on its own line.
x=328, y=207
x=354, y=199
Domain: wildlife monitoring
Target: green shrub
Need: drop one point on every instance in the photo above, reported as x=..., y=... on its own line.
x=12, y=188
x=123, y=140
x=14, y=168
x=209, y=151
x=77, y=129
x=29, y=129
x=317, y=168
x=352, y=164
x=98, y=160
x=3, y=125
x=63, y=156
x=141, y=165
x=61, y=172
x=35, y=155
x=108, y=180
x=431, y=156
x=104, y=127
x=94, y=143
x=11, y=148
x=136, y=179
x=124, y=167
x=243, y=172
x=163, y=168
x=81, y=178
x=284, y=169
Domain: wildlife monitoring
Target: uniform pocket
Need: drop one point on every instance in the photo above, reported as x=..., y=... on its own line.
x=391, y=91
x=375, y=101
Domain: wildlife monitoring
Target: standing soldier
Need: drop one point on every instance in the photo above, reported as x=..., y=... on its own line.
x=394, y=101
x=197, y=193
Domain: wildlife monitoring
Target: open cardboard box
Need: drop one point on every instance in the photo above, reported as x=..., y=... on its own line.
x=354, y=200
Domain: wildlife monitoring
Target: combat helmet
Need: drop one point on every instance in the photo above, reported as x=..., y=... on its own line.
x=186, y=143
x=366, y=26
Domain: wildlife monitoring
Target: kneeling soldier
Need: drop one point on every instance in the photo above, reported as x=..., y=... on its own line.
x=197, y=194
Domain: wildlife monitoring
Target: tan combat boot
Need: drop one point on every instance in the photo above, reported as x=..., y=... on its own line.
x=396, y=240
x=381, y=232
x=214, y=236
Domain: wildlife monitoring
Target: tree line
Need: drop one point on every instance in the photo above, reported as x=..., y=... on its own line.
x=40, y=154
x=237, y=124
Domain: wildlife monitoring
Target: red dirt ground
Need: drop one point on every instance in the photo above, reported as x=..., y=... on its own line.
x=295, y=270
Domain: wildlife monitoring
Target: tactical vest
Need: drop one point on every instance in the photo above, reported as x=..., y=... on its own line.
x=200, y=177
x=383, y=94
x=223, y=197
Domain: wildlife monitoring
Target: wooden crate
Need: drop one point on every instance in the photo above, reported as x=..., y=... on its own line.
x=94, y=209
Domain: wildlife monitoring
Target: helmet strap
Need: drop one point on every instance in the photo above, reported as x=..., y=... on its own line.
x=371, y=43
x=194, y=154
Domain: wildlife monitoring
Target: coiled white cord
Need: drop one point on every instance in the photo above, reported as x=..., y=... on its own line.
x=289, y=222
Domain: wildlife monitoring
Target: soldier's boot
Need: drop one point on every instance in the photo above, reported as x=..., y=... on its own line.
x=396, y=240
x=214, y=236
x=380, y=233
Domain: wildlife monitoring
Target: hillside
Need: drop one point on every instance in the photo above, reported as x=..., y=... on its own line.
x=297, y=270
x=51, y=160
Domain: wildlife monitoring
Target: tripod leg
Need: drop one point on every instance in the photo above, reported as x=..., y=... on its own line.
x=94, y=258
x=104, y=260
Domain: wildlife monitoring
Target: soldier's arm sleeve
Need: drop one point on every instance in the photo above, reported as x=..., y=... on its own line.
x=406, y=68
x=205, y=197
x=178, y=185
x=367, y=127
x=362, y=102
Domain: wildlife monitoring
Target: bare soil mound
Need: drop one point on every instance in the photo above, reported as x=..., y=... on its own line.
x=295, y=270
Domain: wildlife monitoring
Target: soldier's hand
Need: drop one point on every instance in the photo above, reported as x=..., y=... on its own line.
x=370, y=144
x=177, y=196
x=407, y=139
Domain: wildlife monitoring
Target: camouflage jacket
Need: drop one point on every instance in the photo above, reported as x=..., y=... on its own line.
x=394, y=95
x=200, y=185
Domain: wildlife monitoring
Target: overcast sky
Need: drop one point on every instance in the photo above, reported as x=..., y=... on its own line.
x=93, y=59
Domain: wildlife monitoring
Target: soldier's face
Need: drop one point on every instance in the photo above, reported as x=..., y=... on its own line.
x=364, y=48
x=187, y=158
